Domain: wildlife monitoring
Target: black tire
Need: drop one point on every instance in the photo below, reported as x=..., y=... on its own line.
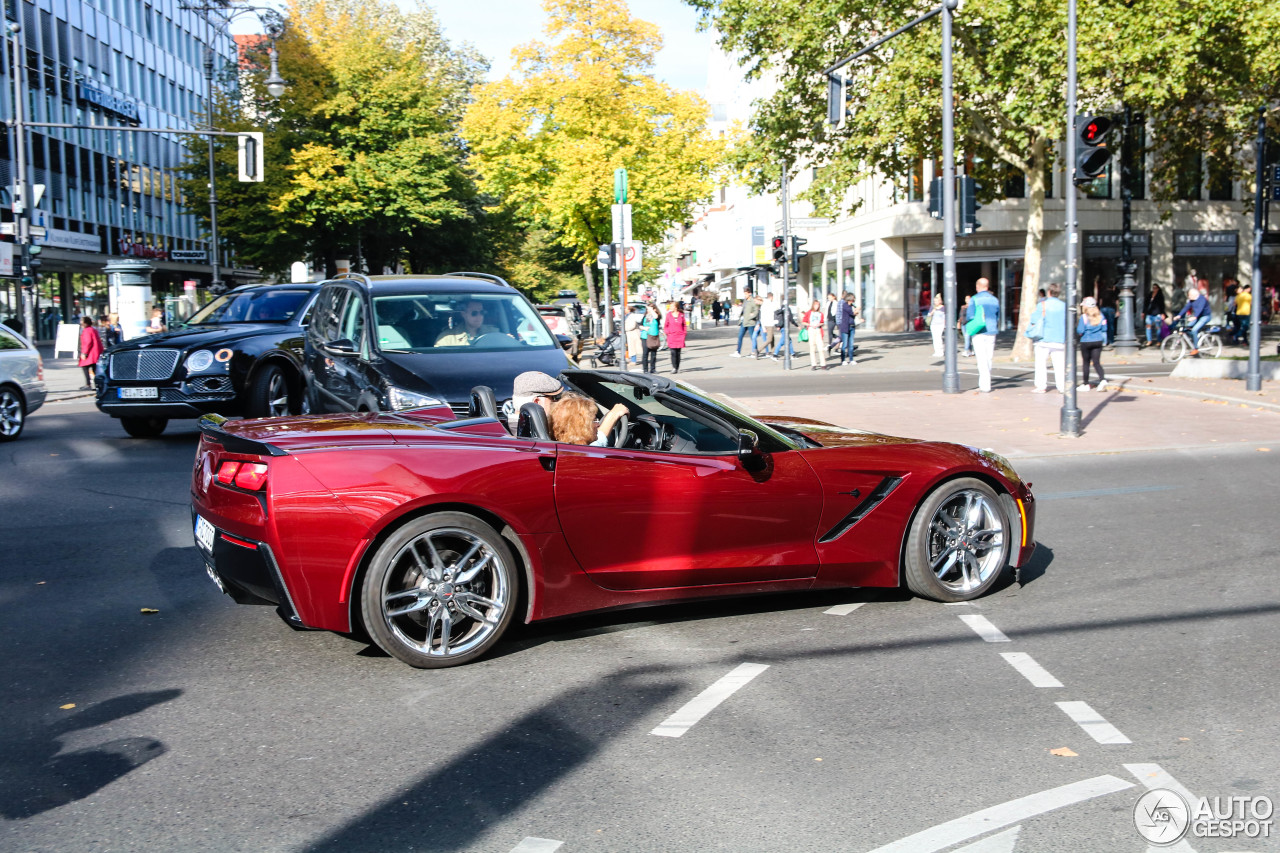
x=271, y=394
x=13, y=413
x=964, y=518
x=416, y=571
x=144, y=427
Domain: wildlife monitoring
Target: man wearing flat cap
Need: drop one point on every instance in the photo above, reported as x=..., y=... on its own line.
x=533, y=386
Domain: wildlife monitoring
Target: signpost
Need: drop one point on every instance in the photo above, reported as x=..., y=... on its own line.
x=621, y=237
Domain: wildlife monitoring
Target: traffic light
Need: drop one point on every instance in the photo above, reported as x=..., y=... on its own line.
x=34, y=249
x=796, y=252
x=969, y=205
x=1092, y=154
x=607, y=256
x=935, y=198
x=779, y=250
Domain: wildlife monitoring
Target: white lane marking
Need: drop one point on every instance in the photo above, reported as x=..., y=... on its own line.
x=706, y=701
x=958, y=603
x=1093, y=723
x=537, y=845
x=981, y=822
x=1154, y=776
x=844, y=609
x=982, y=626
x=1032, y=671
x=1003, y=842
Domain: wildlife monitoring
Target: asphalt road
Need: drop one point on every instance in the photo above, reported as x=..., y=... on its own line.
x=210, y=726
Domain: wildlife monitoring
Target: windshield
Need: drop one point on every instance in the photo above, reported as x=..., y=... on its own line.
x=457, y=321
x=268, y=305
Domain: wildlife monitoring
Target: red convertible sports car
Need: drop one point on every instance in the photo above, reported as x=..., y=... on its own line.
x=431, y=534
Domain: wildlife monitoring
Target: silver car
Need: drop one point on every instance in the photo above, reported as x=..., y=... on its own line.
x=21, y=382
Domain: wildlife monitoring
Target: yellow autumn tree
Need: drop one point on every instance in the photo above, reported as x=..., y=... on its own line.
x=581, y=103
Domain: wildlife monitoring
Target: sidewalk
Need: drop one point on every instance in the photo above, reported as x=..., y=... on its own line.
x=62, y=377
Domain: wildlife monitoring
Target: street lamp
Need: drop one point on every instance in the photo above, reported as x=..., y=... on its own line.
x=219, y=18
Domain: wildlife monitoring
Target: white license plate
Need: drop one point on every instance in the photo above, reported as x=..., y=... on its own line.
x=204, y=534
x=139, y=393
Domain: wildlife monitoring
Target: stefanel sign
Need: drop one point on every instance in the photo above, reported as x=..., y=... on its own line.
x=142, y=250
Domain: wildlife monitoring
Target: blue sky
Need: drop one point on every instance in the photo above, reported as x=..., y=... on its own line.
x=496, y=26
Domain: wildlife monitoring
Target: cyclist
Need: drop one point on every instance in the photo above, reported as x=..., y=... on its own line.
x=1197, y=313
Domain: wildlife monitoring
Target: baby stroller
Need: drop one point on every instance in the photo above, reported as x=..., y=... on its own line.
x=605, y=353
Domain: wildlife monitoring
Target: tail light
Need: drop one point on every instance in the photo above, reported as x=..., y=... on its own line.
x=250, y=476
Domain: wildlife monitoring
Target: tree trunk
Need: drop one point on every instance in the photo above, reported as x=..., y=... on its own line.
x=589, y=275
x=1035, y=178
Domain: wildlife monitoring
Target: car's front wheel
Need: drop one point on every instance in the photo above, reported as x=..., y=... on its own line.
x=440, y=591
x=269, y=393
x=959, y=542
x=144, y=427
x=13, y=414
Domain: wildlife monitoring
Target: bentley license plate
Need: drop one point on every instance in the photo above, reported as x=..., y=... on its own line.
x=204, y=534
x=139, y=393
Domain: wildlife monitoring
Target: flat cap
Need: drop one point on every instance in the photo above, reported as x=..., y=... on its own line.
x=535, y=383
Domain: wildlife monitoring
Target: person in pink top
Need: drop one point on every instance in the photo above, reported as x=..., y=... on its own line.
x=90, y=351
x=675, y=326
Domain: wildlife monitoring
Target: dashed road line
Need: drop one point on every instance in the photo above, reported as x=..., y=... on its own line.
x=953, y=832
x=982, y=626
x=1032, y=671
x=843, y=609
x=706, y=701
x=1154, y=776
x=537, y=845
x=1093, y=723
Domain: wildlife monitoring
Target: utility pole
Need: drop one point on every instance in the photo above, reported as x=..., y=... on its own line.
x=22, y=184
x=786, y=270
x=1070, y=419
x=1253, y=378
x=950, y=369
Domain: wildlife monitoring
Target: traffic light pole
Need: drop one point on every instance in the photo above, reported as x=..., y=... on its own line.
x=1126, y=341
x=23, y=185
x=786, y=270
x=1253, y=377
x=950, y=371
x=1070, y=420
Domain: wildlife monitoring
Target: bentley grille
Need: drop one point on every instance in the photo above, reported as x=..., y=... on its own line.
x=144, y=364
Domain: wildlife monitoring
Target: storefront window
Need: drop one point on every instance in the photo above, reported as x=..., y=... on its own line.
x=867, y=284
x=1205, y=260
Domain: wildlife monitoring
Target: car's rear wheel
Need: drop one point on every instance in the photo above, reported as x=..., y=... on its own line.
x=269, y=393
x=440, y=591
x=144, y=427
x=13, y=414
x=959, y=542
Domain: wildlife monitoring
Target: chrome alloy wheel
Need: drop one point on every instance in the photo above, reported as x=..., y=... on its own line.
x=446, y=592
x=277, y=395
x=966, y=544
x=11, y=414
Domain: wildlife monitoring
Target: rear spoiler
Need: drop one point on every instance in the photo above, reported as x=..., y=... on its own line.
x=212, y=426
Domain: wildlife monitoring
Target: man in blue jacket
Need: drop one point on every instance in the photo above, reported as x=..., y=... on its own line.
x=984, y=341
x=1197, y=311
x=1049, y=322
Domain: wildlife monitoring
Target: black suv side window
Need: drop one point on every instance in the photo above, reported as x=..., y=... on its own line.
x=352, y=320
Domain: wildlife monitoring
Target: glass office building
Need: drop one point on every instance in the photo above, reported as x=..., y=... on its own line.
x=107, y=194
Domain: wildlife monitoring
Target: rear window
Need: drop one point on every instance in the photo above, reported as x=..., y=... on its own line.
x=8, y=340
x=252, y=306
x=458, y=321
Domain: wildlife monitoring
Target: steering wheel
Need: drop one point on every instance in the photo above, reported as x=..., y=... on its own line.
x=621, y=432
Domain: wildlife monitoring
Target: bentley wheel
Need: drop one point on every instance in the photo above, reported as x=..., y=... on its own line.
x=440, y=591
x=959, y=542
x=144, y=427
x=13, y=414
x=269, y=393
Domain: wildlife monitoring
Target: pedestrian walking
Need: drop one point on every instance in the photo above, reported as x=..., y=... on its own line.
x=675, y=327
x=937, y=324
x=156, y=324
x=1244, y=312
x=780, y=321
x=90, y=351
x=631, y=325
x=769, y=321
x=1048, y=328
x=1092, y=329
x=650, y=338
x=1154, y=314
x=716, y=309
x=848, y=321
x=981, y=322
x=832, y=312
x=747, y=322
x=813, y=323
x=967, y=349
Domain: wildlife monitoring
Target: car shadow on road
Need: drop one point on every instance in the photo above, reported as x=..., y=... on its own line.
x=37, y=776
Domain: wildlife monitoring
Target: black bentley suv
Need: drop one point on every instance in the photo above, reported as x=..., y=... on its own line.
x=239, y=355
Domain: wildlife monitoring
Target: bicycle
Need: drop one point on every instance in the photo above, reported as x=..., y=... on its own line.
x=1178, y=344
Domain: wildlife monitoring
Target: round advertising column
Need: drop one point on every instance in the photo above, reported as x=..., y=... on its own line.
x=130, y=286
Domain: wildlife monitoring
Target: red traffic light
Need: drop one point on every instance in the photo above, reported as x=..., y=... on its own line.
x=1093, y=130
x=779, y=243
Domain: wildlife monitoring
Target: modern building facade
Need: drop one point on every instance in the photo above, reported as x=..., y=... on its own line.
x=107, y=195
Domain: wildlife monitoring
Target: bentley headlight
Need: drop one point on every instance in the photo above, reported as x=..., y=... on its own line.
x=199, y=361
x=401, y=399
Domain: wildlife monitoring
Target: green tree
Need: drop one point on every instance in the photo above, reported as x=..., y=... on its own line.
x=362, y=151
x=1010, y=69
x=581, y=104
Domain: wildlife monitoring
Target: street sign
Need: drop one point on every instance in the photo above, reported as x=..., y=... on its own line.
x=37, y=232
x=632, y=254
x=621, y=222
x=620, y=186
x=251, y=157
x=10, y=228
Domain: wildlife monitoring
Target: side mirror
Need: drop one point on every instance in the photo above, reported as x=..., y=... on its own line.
x=346, y=346
x=749, y=452
x=566, y=342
